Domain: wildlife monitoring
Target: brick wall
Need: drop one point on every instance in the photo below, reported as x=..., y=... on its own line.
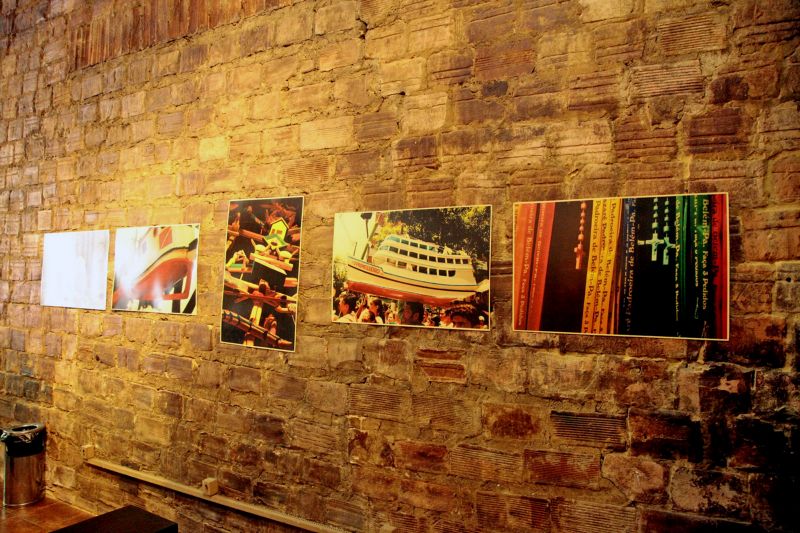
x=119, y=113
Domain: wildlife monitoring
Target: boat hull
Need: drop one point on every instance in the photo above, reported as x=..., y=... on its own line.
x=163, y=274
x=372, y=279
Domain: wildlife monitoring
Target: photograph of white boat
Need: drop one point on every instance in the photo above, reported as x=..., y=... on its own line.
x=415, y=267
x=155, y=269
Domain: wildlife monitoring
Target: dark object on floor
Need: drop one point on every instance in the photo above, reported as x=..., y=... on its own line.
x=128, y=519
x=24, y=464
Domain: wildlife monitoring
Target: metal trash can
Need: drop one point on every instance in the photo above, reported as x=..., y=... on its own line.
x=24, y=464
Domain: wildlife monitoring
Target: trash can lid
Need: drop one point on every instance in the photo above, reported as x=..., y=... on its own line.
x=25, y=433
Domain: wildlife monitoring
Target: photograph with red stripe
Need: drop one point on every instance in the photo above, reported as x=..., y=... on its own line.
x=641, y=266
x=413, y=267
x=155, y=269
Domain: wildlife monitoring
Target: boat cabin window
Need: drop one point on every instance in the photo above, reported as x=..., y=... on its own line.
x=402, y=264
x=449, y=259
x=393, y=249
x=403, y=251
x=451, y=273
x=414, y=254
x=423, y=270
x=440, y=259
x=423, y=257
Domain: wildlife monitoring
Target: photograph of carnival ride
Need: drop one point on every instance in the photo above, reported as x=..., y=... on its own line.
x=413, y=267
x=262, y=264
x=155, y=269
x=75, y=269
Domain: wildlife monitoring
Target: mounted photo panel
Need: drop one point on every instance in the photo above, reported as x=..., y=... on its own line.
x=413, y=267
x=262, y=269
x=155, y=269
x=75, y=269
x=645, y=266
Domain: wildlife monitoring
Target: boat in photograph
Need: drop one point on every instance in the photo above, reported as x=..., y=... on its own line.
x=404, y=268
x=167, y=264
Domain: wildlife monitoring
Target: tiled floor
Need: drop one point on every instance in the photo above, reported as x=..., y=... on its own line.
x=42, y=517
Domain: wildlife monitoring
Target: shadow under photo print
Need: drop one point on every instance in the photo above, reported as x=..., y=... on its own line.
x=414, y=267
x=648, y=266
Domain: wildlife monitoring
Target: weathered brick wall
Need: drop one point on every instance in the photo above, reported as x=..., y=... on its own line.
x=119, y=113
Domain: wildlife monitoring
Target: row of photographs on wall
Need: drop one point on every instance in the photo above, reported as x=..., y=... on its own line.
x=639, y=266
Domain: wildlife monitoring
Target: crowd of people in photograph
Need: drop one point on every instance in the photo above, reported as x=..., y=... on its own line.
x=354, y=307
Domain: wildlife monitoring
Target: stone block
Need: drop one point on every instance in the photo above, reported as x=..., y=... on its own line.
x=635, y=139
x=341, y=54
x=416, y=153
x=376, y=484
x=430, y=33
x=358, y=164
x=602, y=431
x=754, y=341
x=355, y=91
x=443, y=412
x=326, y=133
x=665, y=434
x=244, y=379
x=386, y=42
x=503, y=61
x=336, y=17
x=771, y=234
x=696, y=33
x=725, y=389
x=573, y=515
x=512, y=512
x=277, y=72
x=474, y=462
x=708, y=491
x=384, y=404
x=640, y=479
x=596, y=10
x=426, y=495
x=133, y=104
x=744, y=180
x=450, y=67
x=294, y=25
x=209, y=374
x=784, y=179
x=421, y=456
x=347, y=514
x=668, y=79
x=327, y=397
x=513, y=421
x=308, y=97
x=152, y=430
x=313, y=437
x=718, y=131
x=594, y=91
x=562, y=468
x=269, y=428
x=405, y=76
x=659, y=521
x=424, y=113
x=375, y=126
